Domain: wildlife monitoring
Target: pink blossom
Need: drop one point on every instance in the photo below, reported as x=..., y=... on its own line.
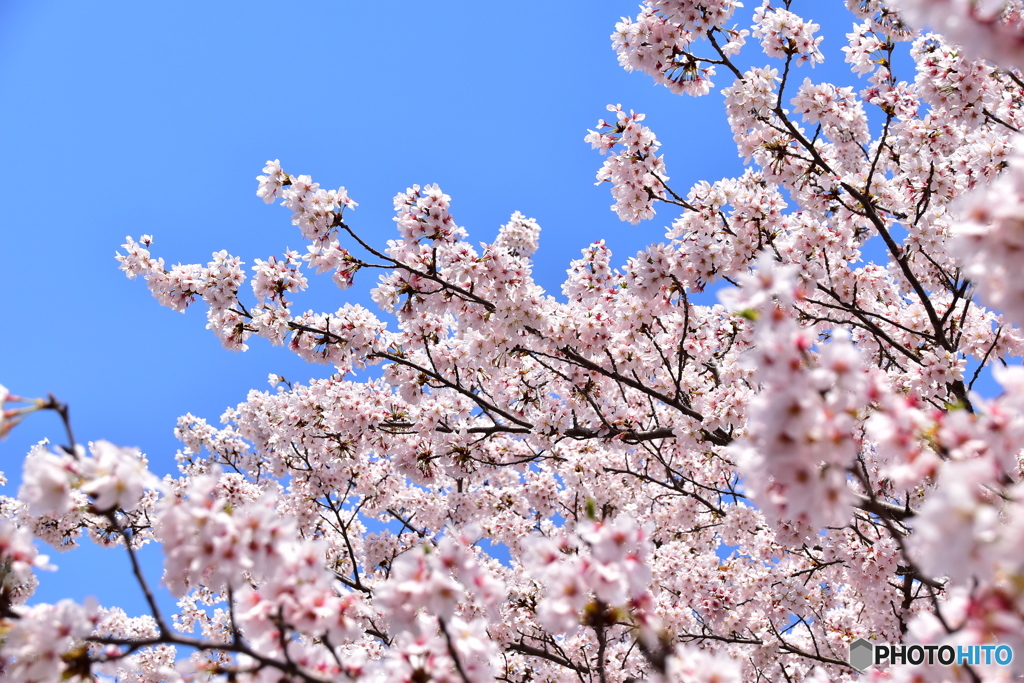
x=616, y=480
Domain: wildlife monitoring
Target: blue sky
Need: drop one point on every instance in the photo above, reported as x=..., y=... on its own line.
x=125, y=118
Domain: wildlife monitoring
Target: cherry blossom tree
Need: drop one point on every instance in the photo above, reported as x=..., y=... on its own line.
x=617, y=483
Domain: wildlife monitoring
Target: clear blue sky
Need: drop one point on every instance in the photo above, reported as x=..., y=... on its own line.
x=125, y=118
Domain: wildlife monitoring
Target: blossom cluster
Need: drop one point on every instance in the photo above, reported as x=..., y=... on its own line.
x=111, y=477
x=987, y=28
x=784, y=34
x=316, y=211
x=636, y=173
x=658, y=42
x=802, y=427
x=602, y=561
x=990, y=238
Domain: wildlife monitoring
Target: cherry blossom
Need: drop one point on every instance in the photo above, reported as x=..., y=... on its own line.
x=619, y=481
x=636, y=174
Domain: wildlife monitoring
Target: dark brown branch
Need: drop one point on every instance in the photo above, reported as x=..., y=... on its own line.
x=530, y=651
x=62, y=409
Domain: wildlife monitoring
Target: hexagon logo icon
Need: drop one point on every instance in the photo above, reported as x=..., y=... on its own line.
x=861, y=654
